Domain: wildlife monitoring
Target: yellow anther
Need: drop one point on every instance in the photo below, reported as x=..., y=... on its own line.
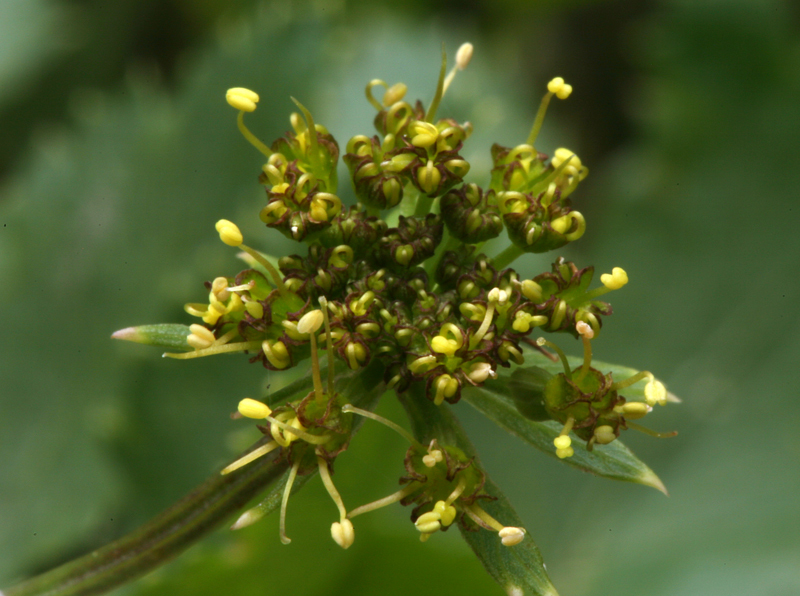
x=229, y=233
x=511, y=536
x=430, y=522
x=423, y=134
x=562, y=442
x=343, y=533
x=443, y=344
x=445, y=386
x=634, y=410
x=276, y=353
x=255, y=309
x=446, y=512
x=251, y=408
x=242, y=99
x=394, y=94
x=614, y=280
x=422, y=364
x=433, y=457
x=559, y=88
x=584, y=329
x=497, y=296
x=604, y=434
x=561, y=155
x=200, y=337
x=356, y=355
x=310, y=322
x=429, y=177
x=274, y=210
x=464, y=55
x=360, y=307
x=532, y=291
x=564, y=453
x=341, y=256
x=655, y=393
x=480, y=371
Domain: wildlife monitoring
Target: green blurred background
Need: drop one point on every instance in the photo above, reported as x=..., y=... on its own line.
x=118, y=154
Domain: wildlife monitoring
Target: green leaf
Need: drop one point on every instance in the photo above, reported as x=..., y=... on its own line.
x=519, y=569
x=166, y=335
x=498, y=400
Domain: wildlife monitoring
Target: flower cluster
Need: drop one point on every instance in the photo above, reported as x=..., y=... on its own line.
x=398, y=278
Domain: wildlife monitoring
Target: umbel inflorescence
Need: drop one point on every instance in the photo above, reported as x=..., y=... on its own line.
x=398, y=282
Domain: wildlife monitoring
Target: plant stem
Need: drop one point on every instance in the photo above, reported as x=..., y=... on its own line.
x=159, y=540
x=507, y=256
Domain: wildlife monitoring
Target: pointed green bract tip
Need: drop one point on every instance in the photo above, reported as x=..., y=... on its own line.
x=129, y=334
x=649, y=478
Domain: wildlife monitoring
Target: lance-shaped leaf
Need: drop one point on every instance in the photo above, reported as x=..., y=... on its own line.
x=499, y=400
x=520, y=568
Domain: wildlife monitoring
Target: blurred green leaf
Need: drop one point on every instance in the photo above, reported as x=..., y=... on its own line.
x=519, y=569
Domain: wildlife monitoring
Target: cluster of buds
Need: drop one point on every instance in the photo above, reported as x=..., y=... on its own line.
x=400, y=279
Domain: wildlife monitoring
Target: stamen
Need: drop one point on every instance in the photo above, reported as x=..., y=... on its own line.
x=261, y=260
x=393, y=498
x=554, y=87
x=652, y=433
x=462, y=484
x=224, y=339
x=586, y=333
x=439, y=89
x=385, y=421
x=495, y=296
x=632, y=380
x=307, y=437
x=313, y=152
x=543, y=342
x=253, y=455
x=329, y=486
x=482, y=518
x=227, y=348
x=563, y=443
x=323, y=302
x=253, y=139
x=285, y=500
x=463, y=56
x=308, y=324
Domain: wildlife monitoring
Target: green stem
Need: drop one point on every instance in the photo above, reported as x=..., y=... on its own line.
x=423, y=206
x=159, y=540
x=508, y=256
